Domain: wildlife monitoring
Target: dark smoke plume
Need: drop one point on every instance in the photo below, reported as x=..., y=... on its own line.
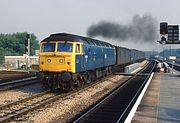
x=140, y=29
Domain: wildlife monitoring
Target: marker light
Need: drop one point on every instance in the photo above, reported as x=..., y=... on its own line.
x=49, y=60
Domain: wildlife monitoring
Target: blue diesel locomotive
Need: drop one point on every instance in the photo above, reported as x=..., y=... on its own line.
x=67, y=60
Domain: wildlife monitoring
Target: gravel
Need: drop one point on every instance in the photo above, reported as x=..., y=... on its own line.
x=22, y=92
x=66, y=108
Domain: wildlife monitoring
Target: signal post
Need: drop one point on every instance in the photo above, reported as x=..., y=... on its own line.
x=27, y=50
x=169, y=33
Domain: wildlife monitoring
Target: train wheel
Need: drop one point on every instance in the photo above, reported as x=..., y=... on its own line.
x=54, y=83
x=50, y=83
x=93, y=76
x=87, y=78
x=81, y=79
x=106, y=73
x=70, y=86
x=44, y=83
x=78, y=83
x=110, y=71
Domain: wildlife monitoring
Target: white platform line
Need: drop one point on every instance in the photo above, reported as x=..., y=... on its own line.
x=133, y=110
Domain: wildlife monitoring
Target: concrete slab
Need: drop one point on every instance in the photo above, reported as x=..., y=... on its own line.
x=169, y=106
x=161, y=102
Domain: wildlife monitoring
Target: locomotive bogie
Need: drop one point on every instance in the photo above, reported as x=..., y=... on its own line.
x=69, y=81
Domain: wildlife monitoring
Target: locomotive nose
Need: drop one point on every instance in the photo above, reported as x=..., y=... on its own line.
x=66, y=77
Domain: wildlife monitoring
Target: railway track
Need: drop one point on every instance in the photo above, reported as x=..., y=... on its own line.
x=116, y=105
x=16, y=109
x=20, y=107
x=13, y=110
x=175, y=66
x=18, y=83
x=6, y=76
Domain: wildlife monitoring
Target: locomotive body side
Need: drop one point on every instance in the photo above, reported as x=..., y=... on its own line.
x=95, y=57
x=67, y=60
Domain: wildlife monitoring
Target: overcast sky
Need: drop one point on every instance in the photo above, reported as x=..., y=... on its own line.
x=43, y=17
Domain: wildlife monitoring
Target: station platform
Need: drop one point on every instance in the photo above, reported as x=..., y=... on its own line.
x=161, y=101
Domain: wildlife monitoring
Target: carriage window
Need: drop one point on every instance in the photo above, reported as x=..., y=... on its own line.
x=65, y=47
x=77, y=48
x=48, y=47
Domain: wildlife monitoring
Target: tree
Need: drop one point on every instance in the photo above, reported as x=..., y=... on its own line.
x=13, y=44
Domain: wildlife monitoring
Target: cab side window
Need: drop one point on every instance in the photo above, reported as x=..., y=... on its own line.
x=77, y=48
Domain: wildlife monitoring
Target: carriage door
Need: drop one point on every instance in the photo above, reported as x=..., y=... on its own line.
x=81, y=57
x=83, y=63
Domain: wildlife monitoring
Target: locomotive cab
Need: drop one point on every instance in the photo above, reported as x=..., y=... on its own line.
x=57, y=61
x=59, y=56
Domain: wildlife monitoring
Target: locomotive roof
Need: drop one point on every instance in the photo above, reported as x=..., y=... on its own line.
x=72, y=37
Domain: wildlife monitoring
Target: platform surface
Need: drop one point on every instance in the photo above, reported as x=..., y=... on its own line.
x=161, y=102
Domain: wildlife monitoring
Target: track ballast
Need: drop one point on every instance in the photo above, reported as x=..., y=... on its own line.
x=116, y=106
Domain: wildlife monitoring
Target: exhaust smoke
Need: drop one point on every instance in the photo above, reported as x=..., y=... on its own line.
x=140, y=29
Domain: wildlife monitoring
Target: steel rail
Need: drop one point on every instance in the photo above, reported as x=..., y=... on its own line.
x=40, y=103
x=96, y=107
x=18, y=83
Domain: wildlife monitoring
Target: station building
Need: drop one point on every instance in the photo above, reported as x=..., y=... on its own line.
x=20, y=62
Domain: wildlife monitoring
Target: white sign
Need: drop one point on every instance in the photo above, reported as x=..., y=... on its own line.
x=172, y=57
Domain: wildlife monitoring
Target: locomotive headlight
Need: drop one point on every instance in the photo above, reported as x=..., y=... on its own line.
x=49, y=60
x=61, y=60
